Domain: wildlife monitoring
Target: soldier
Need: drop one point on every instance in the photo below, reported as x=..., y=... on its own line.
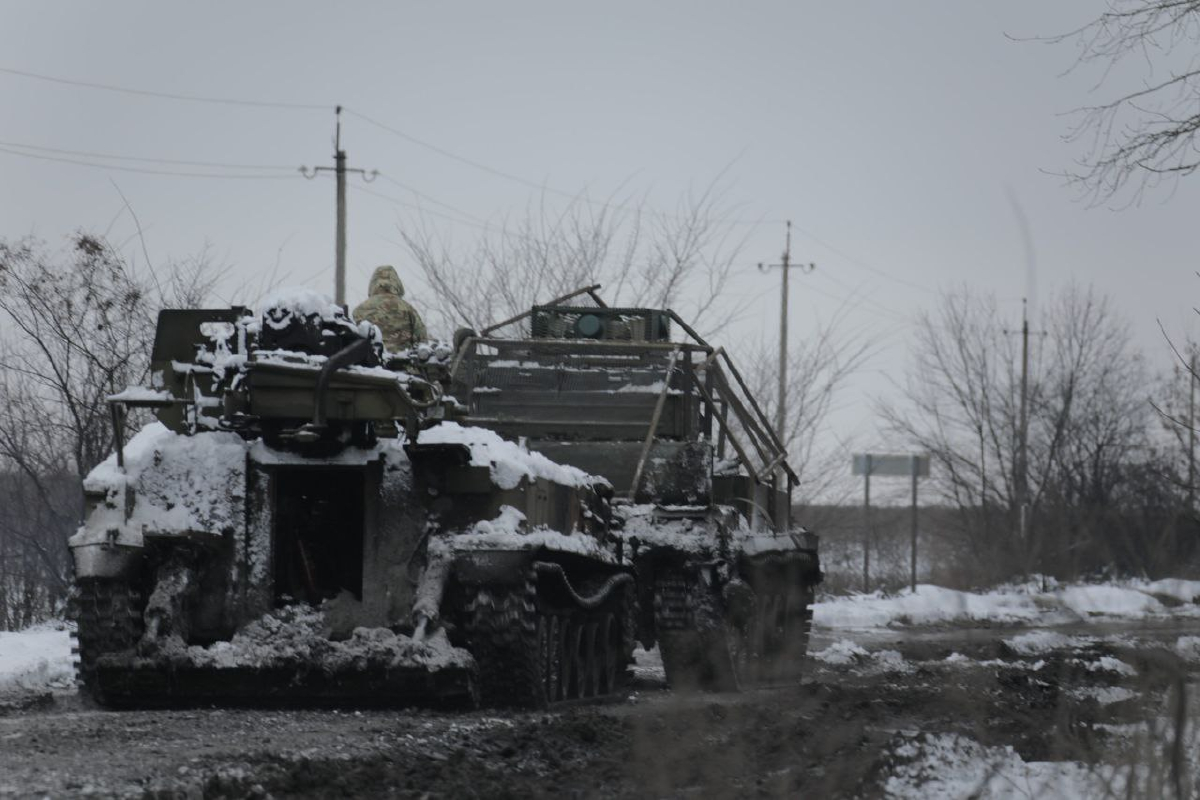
x=385, y=306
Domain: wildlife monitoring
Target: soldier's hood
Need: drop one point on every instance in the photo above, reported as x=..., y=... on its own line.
x=385, y=281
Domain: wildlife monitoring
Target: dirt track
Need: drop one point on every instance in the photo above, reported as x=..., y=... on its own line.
x=833, y=736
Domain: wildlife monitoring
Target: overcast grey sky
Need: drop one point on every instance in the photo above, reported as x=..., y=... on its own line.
x=888, y=132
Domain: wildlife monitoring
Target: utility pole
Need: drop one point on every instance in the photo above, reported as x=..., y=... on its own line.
x=780, y=410
x=1191, y=492
x=915, y=467
x=1023, y=473
x=339, y=170
x=1021, y=458
x=867, y=526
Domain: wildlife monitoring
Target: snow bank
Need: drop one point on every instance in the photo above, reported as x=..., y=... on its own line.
x=1188, y=647
x=1113, y=601
x=1038, y=642
x=1009, y=604
x=841, y=653
x=846, y=653
x=507, y=461
x=929, y=605
x=1104, y=695
x=948, y=767
x=1181, y=590
x=36, y=658
x=1107, y=664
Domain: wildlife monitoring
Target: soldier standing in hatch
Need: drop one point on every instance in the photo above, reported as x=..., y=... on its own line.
x=385, y=306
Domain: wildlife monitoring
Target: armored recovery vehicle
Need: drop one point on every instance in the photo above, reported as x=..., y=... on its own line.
x=313, y=520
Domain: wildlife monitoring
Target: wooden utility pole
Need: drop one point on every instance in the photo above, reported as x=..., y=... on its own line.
x=781, y=408
x=339, y=170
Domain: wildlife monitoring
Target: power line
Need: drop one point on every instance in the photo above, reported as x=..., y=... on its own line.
x=394, y=131
x=455, y=157
x=322, y=107
x=170, y=173
x=433, y=200
x=191, y=98
x=113, y=157
x=541, y=187
x=864, y=265
x=398, y=202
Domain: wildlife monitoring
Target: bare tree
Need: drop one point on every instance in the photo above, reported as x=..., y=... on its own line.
x=685, y=259
x=1145, y=134
x=1089, y=428
x=78, y=326
x=643, y=258
x=818, y=366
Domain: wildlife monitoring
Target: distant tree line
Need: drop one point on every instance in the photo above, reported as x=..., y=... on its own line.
x=1104, y=486
x=78, y=325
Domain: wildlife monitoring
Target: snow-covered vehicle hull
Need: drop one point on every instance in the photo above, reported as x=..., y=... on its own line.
x=305, y=527
x=314, y=521
x=701, y=486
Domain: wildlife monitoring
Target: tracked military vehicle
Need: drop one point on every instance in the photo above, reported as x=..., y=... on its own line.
x=313, y=520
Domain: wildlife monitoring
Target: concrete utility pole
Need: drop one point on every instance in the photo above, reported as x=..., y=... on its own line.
x=339, y=169
x=780, y=411
x=867, y=526
x=1021, y=457
x=916, y=470
x=1023, y=474
x=1191, y=492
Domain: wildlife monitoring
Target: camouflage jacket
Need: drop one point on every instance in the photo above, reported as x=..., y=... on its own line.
x=385, y=306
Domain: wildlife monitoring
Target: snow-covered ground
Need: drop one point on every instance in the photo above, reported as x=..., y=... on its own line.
x=1019, y=604
x=36, y=658
x=41, y=656
x=948, y=767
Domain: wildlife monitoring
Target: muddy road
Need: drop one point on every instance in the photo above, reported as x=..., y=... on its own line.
x=853, y=728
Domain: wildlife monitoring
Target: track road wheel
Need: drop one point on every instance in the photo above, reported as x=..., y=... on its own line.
x=108, y=618
x=509, y=645
x=610, y=665
x=591, y=661
x=551, y=640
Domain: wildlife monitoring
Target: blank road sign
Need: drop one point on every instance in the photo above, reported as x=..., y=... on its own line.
x=892, y=465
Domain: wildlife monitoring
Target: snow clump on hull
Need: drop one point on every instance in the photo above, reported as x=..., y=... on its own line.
x=295, y=635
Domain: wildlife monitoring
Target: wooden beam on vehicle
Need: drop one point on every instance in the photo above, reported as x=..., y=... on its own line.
x=658, y=408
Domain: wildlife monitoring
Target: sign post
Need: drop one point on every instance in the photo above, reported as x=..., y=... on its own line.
x=867, y=525
x=867, y=464
x=915, y=470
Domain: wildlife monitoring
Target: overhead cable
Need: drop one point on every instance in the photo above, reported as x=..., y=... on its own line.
x=191, y=98
x=110, y=156
x=139, y=170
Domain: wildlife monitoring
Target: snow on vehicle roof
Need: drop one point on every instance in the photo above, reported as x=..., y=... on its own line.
x=141, y=394
x=508, y=461
x=181, y=483
x=508, y=531
x=300, y=301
